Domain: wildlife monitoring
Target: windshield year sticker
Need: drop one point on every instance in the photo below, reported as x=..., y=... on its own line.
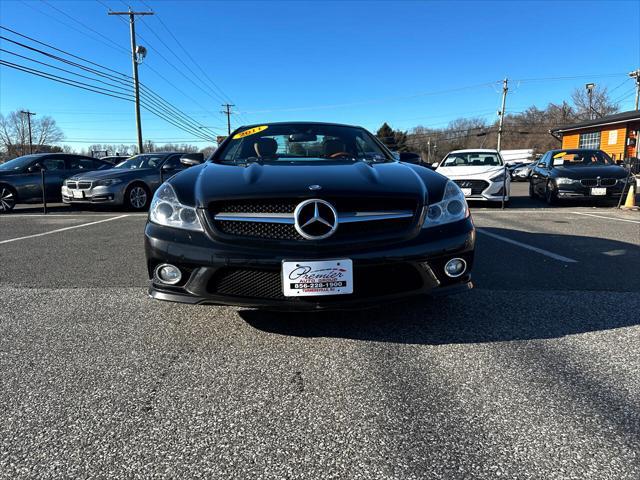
x=251, y=131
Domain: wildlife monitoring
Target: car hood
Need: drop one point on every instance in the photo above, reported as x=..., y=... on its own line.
x=200, y=185
x=113, y=173
x=603, y=171
x=476, y=171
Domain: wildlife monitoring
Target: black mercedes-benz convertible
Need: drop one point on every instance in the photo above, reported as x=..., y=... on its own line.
x=306, y=215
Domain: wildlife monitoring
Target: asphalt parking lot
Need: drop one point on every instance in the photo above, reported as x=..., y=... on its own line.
x=534, y=374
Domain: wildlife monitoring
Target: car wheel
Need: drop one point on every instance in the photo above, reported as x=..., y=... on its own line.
x=532, y=192
x=137, y=197
x=551, y=194
x=8, y=197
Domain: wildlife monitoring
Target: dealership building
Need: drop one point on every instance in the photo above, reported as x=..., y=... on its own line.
x=615, y=134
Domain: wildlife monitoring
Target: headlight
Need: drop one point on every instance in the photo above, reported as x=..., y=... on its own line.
x=167, y=210
x=451, y=208
x=107, y=182
x=498, y=178
x=566, y=181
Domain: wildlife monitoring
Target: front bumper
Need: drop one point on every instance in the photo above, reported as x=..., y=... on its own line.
x=381, y=274
x=111, y=195
x=491, y=192
x=578, y=191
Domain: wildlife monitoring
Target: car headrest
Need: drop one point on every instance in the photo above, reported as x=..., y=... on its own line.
x=265, y=147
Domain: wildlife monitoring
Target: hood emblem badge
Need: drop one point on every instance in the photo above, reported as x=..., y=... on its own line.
x=315, y=187
x=315, y=219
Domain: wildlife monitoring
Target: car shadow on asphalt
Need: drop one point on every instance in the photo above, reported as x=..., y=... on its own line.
x=537, y=299
x=477, y=317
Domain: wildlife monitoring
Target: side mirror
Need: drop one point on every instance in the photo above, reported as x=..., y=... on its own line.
x=36, y=167
x=166, y=167
x=192, y=159
x=409, y=157
x=435, y=165
x=619, y=162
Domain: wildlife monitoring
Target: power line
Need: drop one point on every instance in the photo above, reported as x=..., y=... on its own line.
x=103, y=91
x=110, y=45
x=84, y=25
x=149, y=92
x=573, y=77
x=162, y=75
x=186, y=51
x=52, y=77
x=373, y=101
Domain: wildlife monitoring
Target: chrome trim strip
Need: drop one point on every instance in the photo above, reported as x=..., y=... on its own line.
x=372, y=216
x=288, y=218
x=255, y=217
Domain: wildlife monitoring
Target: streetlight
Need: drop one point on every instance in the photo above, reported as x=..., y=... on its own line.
x=590, y=87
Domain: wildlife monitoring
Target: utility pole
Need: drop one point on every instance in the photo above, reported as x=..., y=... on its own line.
x=590, y=88
x=636, y=75
x=505, y=89
x=28, y=114
x=137, y=54
x=228, y=112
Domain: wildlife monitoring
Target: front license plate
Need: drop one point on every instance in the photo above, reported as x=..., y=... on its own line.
x=78, y=193
x=466, y=191
x=308, y=279
x=598, y=191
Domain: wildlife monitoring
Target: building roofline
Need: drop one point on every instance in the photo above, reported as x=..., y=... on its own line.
x=630, y=116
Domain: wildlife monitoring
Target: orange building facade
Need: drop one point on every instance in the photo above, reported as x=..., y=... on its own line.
x=615, y=134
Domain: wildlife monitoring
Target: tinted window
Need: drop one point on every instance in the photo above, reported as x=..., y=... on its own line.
x=82, y=163
x=19, y=163
x=173, y=163
x=472, y=159
x=585, y=158
x=149, y=160
x=54, y=163
x=301, y=142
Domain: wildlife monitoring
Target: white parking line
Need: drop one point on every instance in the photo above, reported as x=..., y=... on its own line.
x=547, y=253
x=61, y=229
x=607, y=218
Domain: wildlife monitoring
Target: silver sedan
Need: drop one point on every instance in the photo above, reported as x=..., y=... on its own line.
x=130, y=183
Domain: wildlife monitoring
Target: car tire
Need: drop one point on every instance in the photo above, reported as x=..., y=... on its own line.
x=532, y=192
x=137, y=197
x=551, y=194
x=8, y=198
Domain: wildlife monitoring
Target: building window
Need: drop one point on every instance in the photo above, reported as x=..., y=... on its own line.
x=589, y=140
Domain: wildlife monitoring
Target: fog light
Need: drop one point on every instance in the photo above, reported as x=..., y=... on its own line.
x=168, y=274
x=455, y=267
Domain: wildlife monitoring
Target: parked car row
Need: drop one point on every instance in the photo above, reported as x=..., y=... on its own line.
x=76, y=179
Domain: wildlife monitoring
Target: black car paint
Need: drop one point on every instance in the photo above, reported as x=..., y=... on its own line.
x=544, y=175
x=201, y=254
x=28, y=184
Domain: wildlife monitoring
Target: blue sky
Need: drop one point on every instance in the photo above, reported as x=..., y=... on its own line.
x=405, y=62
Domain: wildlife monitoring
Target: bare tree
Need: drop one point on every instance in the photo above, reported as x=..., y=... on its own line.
x=602, y=105
x=14, y=133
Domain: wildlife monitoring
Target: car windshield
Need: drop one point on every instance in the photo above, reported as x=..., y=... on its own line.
x=141, y=161
x=472, y=159
x=298, y=142
x=18, y=163
x=589, y=158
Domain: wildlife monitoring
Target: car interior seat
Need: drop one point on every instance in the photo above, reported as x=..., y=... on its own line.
x=265, y=147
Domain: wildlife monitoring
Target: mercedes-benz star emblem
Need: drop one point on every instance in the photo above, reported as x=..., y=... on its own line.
x=315, y=219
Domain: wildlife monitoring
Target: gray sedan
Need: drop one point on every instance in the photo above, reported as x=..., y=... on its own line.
x=130, y=183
